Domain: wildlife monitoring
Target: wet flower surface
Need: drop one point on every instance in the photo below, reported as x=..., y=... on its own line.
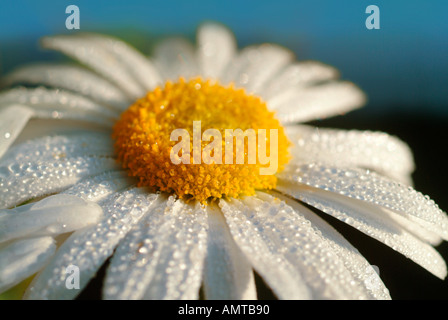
x=163, y=246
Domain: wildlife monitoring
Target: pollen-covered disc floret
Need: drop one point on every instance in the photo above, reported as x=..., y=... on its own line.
x=142, y=139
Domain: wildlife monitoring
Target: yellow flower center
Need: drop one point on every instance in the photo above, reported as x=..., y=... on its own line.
x=165, y=141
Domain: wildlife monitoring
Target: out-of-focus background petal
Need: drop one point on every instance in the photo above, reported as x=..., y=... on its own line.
x=403, y=65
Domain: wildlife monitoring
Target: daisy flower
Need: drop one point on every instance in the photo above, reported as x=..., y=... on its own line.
x=72, y=200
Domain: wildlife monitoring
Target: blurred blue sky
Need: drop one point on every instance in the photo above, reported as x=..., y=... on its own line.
x=402, y=66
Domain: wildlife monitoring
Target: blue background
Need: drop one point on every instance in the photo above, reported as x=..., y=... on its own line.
x=403, y=67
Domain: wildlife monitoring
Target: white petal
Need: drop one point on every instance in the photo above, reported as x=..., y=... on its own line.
x=21, y=259
x=89, y=248
x=316, y=102
x=298, y=74
x=133, y=264
x=95, y=55
x=29, y=179
x=371, y=220
x=162, y=257
x=271, y=59
x=137, y=64
x=98, y=187
x=216, y=47
x=372, y=188
x=377, y=151
x=263, y=252
x=227, y=273
x=58, y=104
x=255, y=65
x=175, y=57
x=415, y=228
x=49, y=164
x=38, y=128
x=12, y=120
x=305, y=248
x=179, y=270
x=50, y=216
x=71, y=78
x=69, y=145
x=352, y=259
